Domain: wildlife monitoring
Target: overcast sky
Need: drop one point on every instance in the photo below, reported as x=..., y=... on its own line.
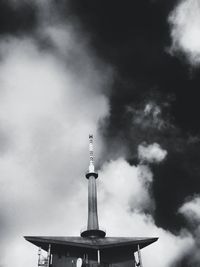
x=126, y=72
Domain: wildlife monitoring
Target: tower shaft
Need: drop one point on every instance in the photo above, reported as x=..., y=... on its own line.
x=93, y=223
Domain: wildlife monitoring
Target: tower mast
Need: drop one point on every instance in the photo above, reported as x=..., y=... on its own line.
x=92, y=224
x=92, y=248
x=91, y=151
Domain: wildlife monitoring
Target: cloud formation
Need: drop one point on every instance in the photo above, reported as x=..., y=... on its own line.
x=48, y=108
x=124, y=198
x=191, y=211
x=152, y=153
x=53, y=93
x=185, y=30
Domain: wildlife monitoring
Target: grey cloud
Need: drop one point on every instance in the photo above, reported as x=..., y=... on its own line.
x=152, y=153
x=49, y=100
x=185, y=30
x=191, y=211
x=120, y=182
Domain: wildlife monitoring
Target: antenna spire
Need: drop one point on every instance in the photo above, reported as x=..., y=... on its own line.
x=91, y=151
x=92, y=223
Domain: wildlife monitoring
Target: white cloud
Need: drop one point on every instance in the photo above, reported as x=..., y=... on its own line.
x=191, y=209
x=149, y=116
x=152, y=108
x=185, y=30
x=47, y=110
x=125, y=185
x=123, y=196
x=152, y=153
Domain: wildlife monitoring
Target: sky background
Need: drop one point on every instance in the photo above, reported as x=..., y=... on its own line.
x=126, y=72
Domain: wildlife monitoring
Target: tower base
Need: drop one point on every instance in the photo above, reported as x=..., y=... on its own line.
x=93, y=233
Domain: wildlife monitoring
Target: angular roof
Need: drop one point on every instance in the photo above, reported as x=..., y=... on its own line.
x=91, y=243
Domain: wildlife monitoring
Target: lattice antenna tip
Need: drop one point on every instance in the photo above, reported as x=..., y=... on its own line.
x=91, y=151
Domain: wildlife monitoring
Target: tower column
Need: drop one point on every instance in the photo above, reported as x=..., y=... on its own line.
x=93, y=223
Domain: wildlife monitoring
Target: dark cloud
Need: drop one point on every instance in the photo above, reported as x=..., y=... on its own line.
x=135, y=38
x=15, y=20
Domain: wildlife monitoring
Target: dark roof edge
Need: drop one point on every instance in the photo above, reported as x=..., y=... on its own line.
x=51, y=240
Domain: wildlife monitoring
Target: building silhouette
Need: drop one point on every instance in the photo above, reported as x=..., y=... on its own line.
x=92, y=248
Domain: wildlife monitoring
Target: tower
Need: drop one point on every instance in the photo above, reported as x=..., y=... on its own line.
x=93, y=224
x=92, y=248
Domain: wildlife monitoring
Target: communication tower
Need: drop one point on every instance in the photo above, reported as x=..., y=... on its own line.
x=92, y=248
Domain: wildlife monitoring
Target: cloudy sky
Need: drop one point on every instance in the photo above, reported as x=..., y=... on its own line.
x=126, y=72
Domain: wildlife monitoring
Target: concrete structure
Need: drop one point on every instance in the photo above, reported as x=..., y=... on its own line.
x=92, y=248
